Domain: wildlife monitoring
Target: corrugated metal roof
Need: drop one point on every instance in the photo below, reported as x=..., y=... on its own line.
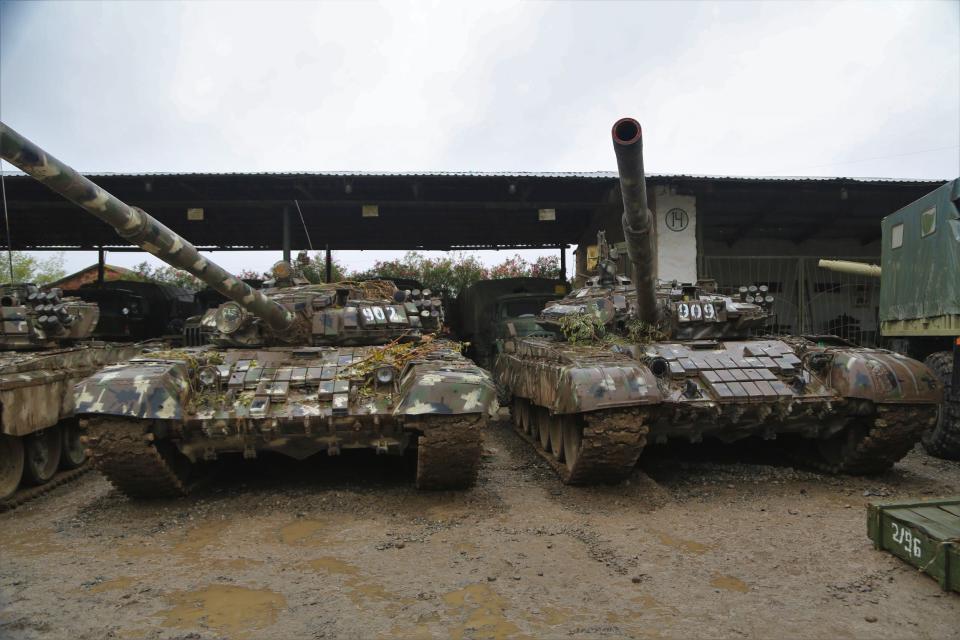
x=586, y=175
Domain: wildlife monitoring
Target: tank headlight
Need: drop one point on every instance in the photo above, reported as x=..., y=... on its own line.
x=385, y=375
x=209, y=376
x=125, y=311
x=229, y=317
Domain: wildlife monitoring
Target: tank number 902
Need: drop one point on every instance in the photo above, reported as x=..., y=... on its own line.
x=695, y=311
x=377, y=314
x=909, y=542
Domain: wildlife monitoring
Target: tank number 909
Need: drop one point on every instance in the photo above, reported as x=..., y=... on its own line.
x=695, y=311
x=909, y=542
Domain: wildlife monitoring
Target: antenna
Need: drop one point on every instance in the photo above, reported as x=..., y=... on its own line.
x=304, y=223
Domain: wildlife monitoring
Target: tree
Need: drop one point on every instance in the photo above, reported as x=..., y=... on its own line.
x=167, y=275
x=30, y=268
x=447, y=275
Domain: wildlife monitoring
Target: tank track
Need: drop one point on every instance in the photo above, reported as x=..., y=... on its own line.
x=612, y=441
x=874, y=445
x=122, y=451
x=943, y=438
x=448, y=451
x=26, y=494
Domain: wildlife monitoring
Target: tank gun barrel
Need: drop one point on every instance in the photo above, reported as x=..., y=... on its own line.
x=136, y=226
x=637, y=221
x=847, y=266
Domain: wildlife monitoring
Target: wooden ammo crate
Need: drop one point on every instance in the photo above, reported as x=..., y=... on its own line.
x=925, y=534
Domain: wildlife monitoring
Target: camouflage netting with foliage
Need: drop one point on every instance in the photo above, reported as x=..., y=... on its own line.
x=586, y=327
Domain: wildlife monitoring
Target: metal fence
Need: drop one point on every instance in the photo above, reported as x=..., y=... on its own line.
x=807, y=299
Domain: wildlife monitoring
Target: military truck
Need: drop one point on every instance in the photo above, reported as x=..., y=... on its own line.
x=133, y=310
x=45, y=347
x=629, y=357
x=294, y=369
x=920, y=298
x=491, y=311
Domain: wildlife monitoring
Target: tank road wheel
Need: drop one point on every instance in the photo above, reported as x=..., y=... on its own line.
x=448, y=451
x=543, y=427
x=943, y=439
x=11, y=464
x=873, y=445
x=572, y=439
x=73, y=453
x=42, y=455
x=556, y=436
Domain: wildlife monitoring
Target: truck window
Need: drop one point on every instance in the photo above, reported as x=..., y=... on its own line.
x=928, y=222
x=896, y=236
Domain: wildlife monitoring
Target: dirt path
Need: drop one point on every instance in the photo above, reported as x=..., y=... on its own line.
x=347, y=548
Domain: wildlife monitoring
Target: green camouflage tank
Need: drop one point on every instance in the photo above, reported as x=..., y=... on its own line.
x=294, y=368
x=45, y=348
x=629, y=359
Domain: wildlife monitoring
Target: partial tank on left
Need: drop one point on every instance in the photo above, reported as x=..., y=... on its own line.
x=46, y=346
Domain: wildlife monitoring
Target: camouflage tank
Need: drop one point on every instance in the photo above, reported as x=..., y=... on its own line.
x=45, y=348
x=630, y=359
x=294, y=368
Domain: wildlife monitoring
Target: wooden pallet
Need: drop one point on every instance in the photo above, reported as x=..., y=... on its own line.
x=924, y=533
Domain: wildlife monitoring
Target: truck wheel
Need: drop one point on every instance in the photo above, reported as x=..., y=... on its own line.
x=943, y=439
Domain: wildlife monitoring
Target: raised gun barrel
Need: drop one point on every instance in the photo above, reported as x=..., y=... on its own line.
x=847, y=266
x=137, y=226
x=637, y=221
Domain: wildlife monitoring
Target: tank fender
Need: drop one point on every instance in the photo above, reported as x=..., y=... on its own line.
x=135, y=390
x=578, y=387
x=883, y=377
x=430, y=387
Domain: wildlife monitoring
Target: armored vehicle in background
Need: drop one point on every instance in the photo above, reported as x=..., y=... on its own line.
x=295, y=369
x=45, y=348
x=630, y=359
x=491, y=311
x=920, y=298
x=132, y=310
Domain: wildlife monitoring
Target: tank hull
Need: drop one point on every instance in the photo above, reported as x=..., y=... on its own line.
x=36, y=400
x=729, y=390
x=294, y=401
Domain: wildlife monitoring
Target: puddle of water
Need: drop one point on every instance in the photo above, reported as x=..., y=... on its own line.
x=333, y=565
x=416, y=632
x=233, y=564
x=301, y=531
x=467, y=548
x=121, y=582
x=554, y=616
x=651, y=604
x=688, y=546
x=230, y=610
x=358, y=589
x=35, y=542
x=729, y=583
x=485, y=617
x=200, y=537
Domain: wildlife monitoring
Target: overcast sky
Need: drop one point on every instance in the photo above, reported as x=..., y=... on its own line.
x=775, y=88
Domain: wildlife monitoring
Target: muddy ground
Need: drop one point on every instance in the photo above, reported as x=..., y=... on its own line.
x=702, y=542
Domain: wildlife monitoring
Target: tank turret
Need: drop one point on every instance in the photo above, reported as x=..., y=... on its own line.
x=42, y=319
x=637, y=222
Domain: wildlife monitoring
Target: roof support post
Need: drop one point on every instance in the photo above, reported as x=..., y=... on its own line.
x=563, y=262
x=286, y=234
x=100, y=265
x=329, y=265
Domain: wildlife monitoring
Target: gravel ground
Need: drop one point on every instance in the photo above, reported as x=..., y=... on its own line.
x=717, y=542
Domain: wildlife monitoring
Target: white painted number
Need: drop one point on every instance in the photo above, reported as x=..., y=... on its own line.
x=394, y=316
x=905, y=538
x=379, y=314
x=367, y=314
x=708, y=311
x=683, y=311
x=696, y=312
